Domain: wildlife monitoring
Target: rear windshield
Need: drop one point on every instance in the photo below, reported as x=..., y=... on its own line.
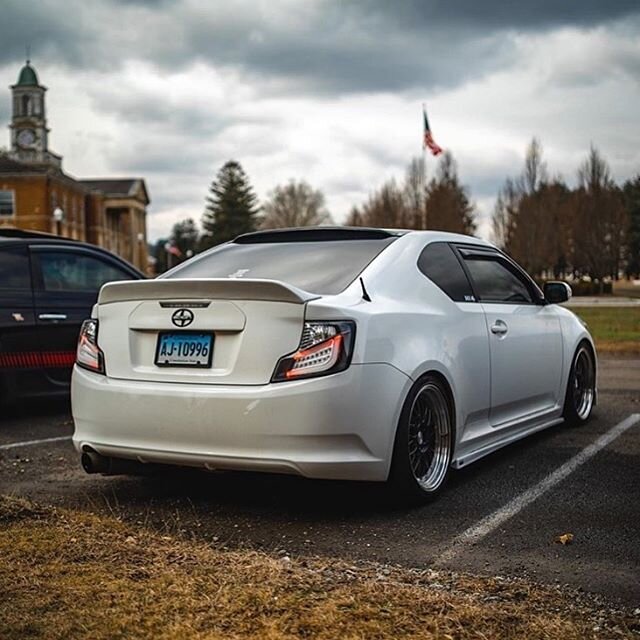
x=324, y=268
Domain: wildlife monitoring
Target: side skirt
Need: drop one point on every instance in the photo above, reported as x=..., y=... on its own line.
x=471, y=455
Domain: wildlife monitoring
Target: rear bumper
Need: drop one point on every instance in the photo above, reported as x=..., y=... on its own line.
x=337, y=427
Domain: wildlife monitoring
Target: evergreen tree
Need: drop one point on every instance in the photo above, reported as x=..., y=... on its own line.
x=185, y=236
x=448, y=205
x=231, y=208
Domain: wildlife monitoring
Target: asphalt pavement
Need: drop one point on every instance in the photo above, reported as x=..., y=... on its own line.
x=502, y=515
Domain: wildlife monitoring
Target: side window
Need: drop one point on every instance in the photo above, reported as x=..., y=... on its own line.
x=15, y=272
x=439, y=263
x=494, y=281
x=69, y=271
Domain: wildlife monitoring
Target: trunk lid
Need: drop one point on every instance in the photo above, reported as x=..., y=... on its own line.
x=253, y=323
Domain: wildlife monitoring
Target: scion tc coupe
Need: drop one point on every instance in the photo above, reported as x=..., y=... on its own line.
x=345, y=353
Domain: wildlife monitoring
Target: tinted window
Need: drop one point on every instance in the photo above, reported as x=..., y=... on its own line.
x=326, y=267
x=14, y=269
x=68, y=271
x=439, y=263
x=494, y=281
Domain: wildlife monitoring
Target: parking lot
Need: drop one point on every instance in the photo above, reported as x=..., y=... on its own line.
x=502, y=515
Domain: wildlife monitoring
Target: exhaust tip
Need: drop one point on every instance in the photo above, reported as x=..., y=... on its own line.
x=93, y=462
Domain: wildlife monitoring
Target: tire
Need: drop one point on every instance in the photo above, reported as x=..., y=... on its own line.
x=423, y=445
x=581, y=387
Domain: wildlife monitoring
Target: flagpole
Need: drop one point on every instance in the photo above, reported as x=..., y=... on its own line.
x=424, y=166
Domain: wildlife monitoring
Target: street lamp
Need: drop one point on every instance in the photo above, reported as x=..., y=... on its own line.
x=140, y=252
x=167, y=248
x=58, y=216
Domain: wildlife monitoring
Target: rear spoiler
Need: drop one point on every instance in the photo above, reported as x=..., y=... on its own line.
x=218, y=289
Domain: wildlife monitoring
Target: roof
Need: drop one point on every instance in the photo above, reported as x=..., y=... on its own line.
x=27, y=77
x=113, y=188
x=7, y=165
x=117, y=187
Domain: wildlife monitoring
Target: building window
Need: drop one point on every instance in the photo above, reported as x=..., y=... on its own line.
x=25, y=106
x=7, y=204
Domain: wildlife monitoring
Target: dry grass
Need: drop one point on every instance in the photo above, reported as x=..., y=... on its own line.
x=69, y=575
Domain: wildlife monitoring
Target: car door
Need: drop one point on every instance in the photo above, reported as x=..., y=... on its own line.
x=525, y=338
x=67, y=280
x=20, y=371
x=466, y=345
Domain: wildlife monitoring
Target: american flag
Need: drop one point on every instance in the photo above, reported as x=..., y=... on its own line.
x=172, y=249
x=428, y=140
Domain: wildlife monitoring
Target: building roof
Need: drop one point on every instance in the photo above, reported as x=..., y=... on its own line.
x=27, y=77
x=110, y=187
x=113, y=186
x=7, y=165
x=118, y=187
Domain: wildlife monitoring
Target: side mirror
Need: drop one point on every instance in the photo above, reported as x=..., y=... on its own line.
x=556, y=292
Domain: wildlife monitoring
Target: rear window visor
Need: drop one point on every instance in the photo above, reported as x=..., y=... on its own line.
x=324, y=268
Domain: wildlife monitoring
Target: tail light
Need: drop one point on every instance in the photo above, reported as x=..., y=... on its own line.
x=88, y=354
x=325, y=347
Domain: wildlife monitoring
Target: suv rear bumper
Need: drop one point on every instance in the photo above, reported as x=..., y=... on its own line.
x=336, y=427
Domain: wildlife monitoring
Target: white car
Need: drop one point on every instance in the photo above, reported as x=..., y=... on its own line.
x=345, y=353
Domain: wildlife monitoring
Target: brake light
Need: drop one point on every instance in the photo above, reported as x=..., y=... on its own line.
x=88, y=354
x=325, y=347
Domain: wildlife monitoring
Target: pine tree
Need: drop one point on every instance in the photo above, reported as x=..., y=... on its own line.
x=231, y=206
x=448, y=205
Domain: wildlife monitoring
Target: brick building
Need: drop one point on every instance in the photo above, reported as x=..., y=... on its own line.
x=36, y=194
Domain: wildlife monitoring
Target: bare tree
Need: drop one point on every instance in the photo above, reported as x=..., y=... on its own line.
x=504, y=214
x=535, y=170
x=527, y=215
x=295, y=204
x=631, y=190
x=415, y=194
x=603, y=219
x=384, y=208
x=355, y=218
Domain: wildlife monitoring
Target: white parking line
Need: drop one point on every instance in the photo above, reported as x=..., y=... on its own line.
x=484, y=527
x=28, y=443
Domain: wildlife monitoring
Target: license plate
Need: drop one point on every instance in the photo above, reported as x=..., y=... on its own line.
x=184, y=349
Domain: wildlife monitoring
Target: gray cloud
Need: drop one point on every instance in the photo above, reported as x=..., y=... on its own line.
x=497, y=14
x=290, y=57
x=326, y=46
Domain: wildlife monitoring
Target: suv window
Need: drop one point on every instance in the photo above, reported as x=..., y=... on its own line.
x=495, y=280
x=14, y=269
x=69, y=271
x=439, y=263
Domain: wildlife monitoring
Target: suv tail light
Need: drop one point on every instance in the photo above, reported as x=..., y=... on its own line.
x=325, y=347
x=88, y=354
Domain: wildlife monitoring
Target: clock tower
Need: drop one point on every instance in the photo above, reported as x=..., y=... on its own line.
x=29, y=132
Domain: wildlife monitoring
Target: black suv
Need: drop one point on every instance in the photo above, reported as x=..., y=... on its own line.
x=47, y=288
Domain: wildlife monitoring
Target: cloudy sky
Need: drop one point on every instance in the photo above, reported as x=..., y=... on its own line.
x=326, y=90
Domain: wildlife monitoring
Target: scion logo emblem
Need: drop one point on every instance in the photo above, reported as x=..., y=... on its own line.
x=182, y=317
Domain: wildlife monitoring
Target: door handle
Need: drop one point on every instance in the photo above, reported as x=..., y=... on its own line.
x=52, y=317
x=499, y=328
